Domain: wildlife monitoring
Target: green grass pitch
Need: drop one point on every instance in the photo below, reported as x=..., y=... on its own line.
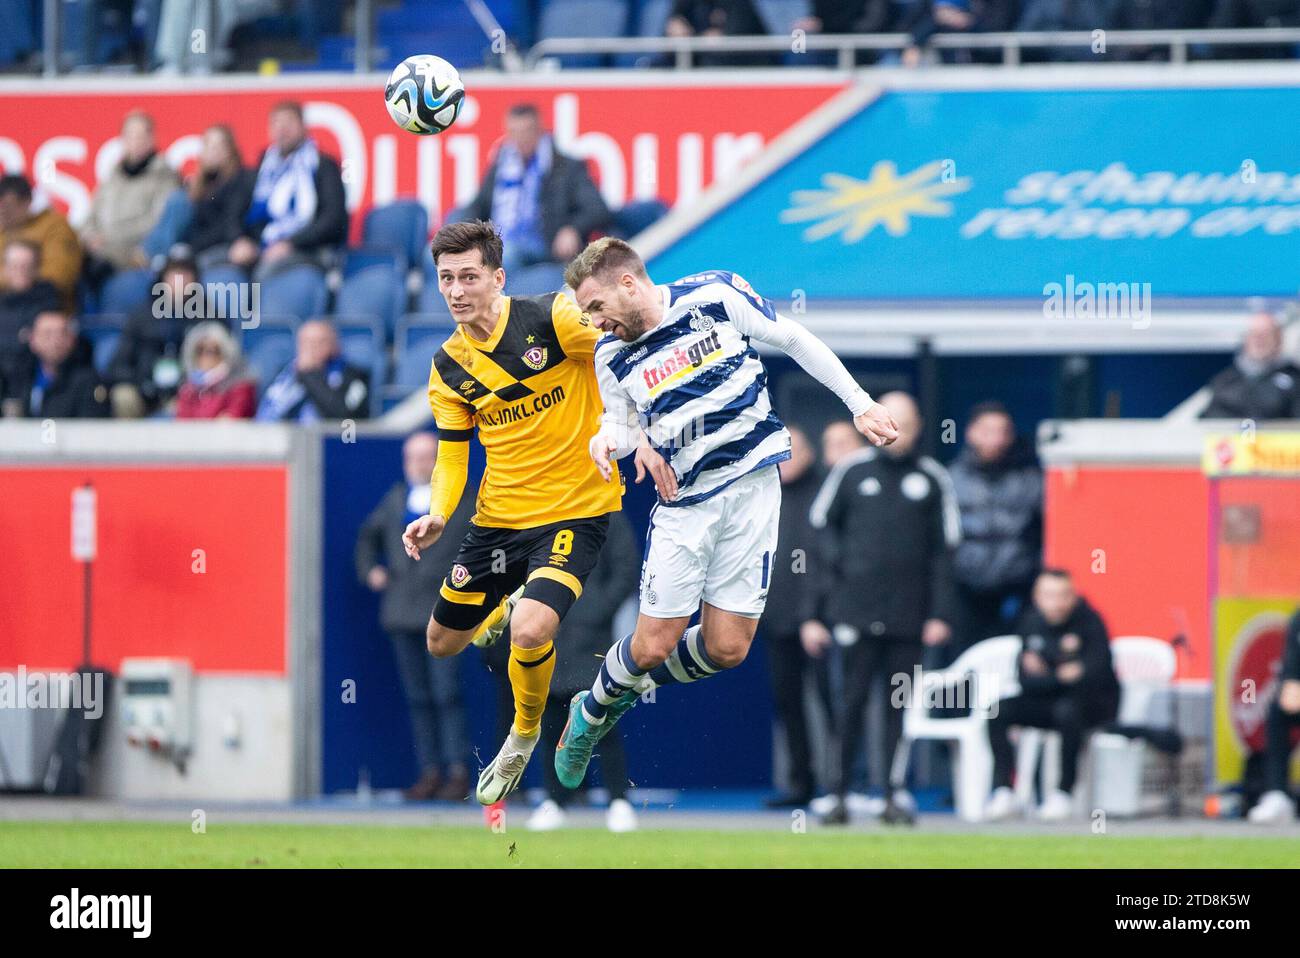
x=147, y=844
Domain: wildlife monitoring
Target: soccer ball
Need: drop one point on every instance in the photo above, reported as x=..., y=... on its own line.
x=424, y=94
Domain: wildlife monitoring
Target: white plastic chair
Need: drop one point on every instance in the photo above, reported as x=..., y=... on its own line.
x=992, y=663
x=1144, y=666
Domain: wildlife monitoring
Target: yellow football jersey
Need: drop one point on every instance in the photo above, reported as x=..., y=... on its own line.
x=531, y=391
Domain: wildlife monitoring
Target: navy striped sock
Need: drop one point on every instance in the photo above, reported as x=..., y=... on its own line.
x=688, y=661
x=618, y=674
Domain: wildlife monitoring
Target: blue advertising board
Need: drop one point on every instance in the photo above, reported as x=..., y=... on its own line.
x=1000, y=194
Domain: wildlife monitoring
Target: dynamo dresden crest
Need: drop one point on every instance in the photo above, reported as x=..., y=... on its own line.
x=459, y=575
x=535, y=358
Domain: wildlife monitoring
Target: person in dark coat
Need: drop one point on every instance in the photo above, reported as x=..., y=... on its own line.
x=294, y=207
x=888, y=523
x=720, y=18
x=318, y=383
x=219, y=193
x=146, y=369
x=544, y=203
x=794, y=593
x=1261, y=383
x=1067, y=683
x=999, y=488
x=408, y=589
x=1282, y=727
x=54, y=378
x=23, y=296
x=584, y=637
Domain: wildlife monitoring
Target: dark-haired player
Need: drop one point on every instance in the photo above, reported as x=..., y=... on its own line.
x=519, y=368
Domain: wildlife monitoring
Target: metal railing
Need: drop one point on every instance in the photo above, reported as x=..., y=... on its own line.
x=846, y=46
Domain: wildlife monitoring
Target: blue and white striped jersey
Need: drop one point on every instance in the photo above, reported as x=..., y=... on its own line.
x=696, y=386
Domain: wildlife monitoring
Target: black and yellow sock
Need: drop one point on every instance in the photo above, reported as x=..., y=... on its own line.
x=530, y=673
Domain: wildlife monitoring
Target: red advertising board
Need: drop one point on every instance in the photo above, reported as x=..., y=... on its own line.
x=668, y=141
x=190, y=562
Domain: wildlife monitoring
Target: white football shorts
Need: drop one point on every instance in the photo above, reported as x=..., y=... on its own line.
x=719, y=551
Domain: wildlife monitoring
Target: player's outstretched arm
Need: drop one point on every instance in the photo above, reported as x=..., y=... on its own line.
x=818, y=360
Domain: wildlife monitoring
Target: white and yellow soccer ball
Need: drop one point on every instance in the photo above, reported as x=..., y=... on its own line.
x=424, y=94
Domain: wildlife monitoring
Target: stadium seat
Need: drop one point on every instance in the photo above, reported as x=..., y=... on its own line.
x=104, y=334
x=269, y=345
x=127, y=291
x=402, y=225
x=297, y=291
x=636, y=217
x=363, y=257
x=418, y=338
x=377, y=290
x=539, y=278
x=583, y=18
x=993, y=663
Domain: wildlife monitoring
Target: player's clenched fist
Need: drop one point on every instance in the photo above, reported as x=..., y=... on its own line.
x=877, y=425
x=422, y=533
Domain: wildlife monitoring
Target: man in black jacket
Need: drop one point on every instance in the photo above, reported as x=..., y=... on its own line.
x=23, y=296
x=53, y=379
x=318, y=383
x=295, y=207
x=544, y=203
x=1067, y=683
x=408, y=589
x=1276, y=806
x=583, y=639
x=889, y=523
x=1261, y=383
x=145, y=371
x=999, y=491
x=794, y=593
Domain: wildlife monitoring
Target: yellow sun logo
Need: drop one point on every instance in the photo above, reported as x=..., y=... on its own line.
x=853, y=207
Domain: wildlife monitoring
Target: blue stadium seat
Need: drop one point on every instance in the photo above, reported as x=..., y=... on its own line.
x=635, y=217
x=362, y=340
x=268, y=346
x=378, y=290
x=297, y=291
x=539, y=278
x=104, y=334
x=429, y=300
x=402, y=225
x=583, y=18
x=418, y=338
x=127, y=291
x=364, y=257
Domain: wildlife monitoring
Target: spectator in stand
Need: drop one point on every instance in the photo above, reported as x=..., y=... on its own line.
x=146, y=370
x=317, y=383
x=839, y=439
x=1067, y=683
x=216, y=384
x=294, y=210
x=999, y=488
x=1157, y=15
x=794, y=581
x=23, y=296
x=925, y=19
x=1234, y=14
x=407, y=588
x=128, y=203
x=544, y=203
x=719, y=18
x=1064, y=15
x=585, y=636
x=48, y=231
x=850, y=16
x=216, y=193
x=1276, y=806
x=53, y=379
x=888, y=525
x=1261, y=383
